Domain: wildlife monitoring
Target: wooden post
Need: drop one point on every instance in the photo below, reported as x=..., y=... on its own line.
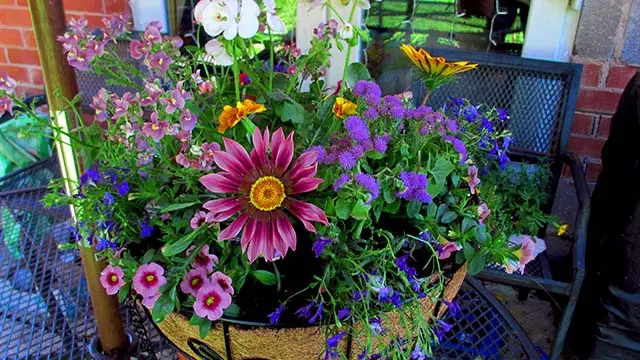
x=49, y=21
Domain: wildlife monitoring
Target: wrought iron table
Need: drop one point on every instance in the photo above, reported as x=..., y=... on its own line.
x=45, y=310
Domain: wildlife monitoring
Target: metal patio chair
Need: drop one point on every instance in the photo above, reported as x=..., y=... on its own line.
x=540, y=97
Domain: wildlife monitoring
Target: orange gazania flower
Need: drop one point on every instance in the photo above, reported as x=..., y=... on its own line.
x=343, y=107
x=230, y=115
x=435, y=70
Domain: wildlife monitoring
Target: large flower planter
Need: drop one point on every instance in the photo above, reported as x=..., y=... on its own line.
x=238, y=340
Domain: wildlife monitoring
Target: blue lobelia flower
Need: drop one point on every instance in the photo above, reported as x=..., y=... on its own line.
x=319, y=245
x=274, y=317
x=305, y=311
x=108, y=199
x=145, y=229
x=454, y=309
x=344, y=313
x=317, y=316
x=417, y=354
x=122, y=188
x=376, y=326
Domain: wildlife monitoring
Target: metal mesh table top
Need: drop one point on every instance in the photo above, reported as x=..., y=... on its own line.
x=45, y=310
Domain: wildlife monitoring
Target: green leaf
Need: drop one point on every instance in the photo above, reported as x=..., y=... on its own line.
x=441, y=210
x=455, y=180
x=174, y=207
x=179, y=245
x=343, y=208
x=460, y=257
x=441, y=170
x=388, y=194
x=205, y=327
x=278, y=95
x=360, y=211
x=435, y=189
x=232, y=311
x=355, y=72
x=469, y=252
x=292, y=111
x=163, y=307
x=448, y=217
x=394, y=208
x=432, y=208
x=467, y=223
x=123, y=293
x=195, y=320
x=148, y=256
x=413, y=208
x=330, y=207
x=481, y=233
x=264, y=276
x=477, y=264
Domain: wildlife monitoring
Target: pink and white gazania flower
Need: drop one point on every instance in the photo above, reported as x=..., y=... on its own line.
x=203, y=259
x=483, y=212
x=223, y=281
x=264, y=187
x=112, y=279
x=275, y=23
x=194, y=280
x=528, y=251
x=217, y=54
x=150, y=301
x=473, y=178
x=226, y=17
x=211, y=300
x=148, y=279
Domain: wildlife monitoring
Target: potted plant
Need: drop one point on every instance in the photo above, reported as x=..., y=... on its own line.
x=254, y=219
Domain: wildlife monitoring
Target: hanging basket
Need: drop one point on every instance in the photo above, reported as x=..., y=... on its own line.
x=481, y=8
x=239, y=340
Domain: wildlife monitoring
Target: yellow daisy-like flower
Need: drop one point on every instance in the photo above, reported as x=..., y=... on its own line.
x=435, y=70
x=231, y=116
x=562, y=229
x=343, y=107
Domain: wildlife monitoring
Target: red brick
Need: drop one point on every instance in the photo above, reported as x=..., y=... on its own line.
x=583, y=123
x=113, y=6
x=3, y=56
x=10, y=37
x=90, y=6
x=23, y=56
x=36, y=76
x=7, y=2
x=29, y=39
x=598, y=101
x=93, y=21
x=28, y=90
x=17, y=72
x=15, y=17
x=24, y=3
x=619, y=76
x=585, y=146
x=604, y=126
x=591, y=75
x=594, y=167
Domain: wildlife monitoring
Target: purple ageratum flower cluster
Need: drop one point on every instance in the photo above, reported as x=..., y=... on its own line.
x=368, y=91
x=341, y=181
x=381, y=142
x=370, y=184
x=357, y=129
x=79, y=45
x=392, y=106
x=415, y=187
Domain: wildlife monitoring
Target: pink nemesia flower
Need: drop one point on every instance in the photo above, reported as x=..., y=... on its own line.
x=150, y=301
x=203, y=259
x=156, y=129
x=205, y=88
x=188, y=120
x=483, y=212
x=473, y=178
x=6, y=105
x=528, y=251
x=198, y=219
x=211, y=300
x=264, y=187
x=148, y=279
x=7, y=83
x=223, y=281
x=160, y=61
x=112, y=279
x=194, y=280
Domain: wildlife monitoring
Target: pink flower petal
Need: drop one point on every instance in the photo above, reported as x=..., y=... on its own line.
x=255, y=244
x=259, y=152
x=229, y=163
x=222, y=209
x=248, y=233
x=305, y=185
x=281, y=150
x=307, y=212
x=234, y=228
x=305, y=160
x=302, y=173
x=220, y=183
x=238, y=152
x=286, y=231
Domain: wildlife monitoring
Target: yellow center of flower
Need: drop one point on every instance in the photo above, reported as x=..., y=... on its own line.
x=210, y=300
x=150, y=278
x=160, y=61
x=114, y=278
x=173, y=101
x=155, y=127
x=195, y=282
x=267, y=193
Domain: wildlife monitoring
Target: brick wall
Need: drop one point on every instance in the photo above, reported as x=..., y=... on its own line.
x=603, y=44
x=18, y=52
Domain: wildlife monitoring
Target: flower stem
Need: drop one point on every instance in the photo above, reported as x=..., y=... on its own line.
x=236, y=69
x=271, y=60
x=426, y=97
x=349, y=47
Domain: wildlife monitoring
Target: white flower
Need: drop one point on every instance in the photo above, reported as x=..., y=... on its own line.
x=227, y=18
x=195, y=150
x=219, y=54
x=345, y=30
x=199, y=8
x=364, y=4
x=274, y=22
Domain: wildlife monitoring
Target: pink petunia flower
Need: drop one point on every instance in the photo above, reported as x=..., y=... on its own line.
x=150, y=301
x=211, y=300
x=447, y=248
x=223, y=281
x=112, y=279
x=194, y=280
x=148, y=279
x=198, y=219
x=264, y=187
x=528, y=251
x=473, y=178
x=483, y=212
x=204, y=259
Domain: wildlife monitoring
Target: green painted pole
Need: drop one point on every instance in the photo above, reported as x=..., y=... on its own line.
x=49, y=21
